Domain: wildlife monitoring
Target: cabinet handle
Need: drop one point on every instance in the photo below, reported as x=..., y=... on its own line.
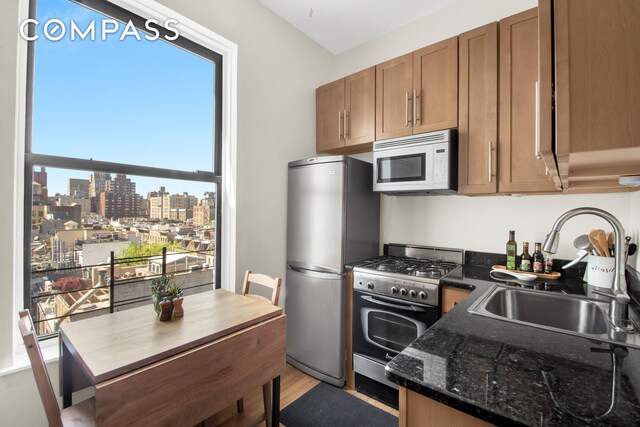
x=339, y=124
x=406, y=109
x=490, y=161
x=537, y=142
x=346, y=125
x=416, y=107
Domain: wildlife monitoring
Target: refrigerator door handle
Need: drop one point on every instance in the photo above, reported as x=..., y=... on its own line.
x=315, y=271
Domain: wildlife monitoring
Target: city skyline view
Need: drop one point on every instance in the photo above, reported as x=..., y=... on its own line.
x=96, y=99
x=144, y=185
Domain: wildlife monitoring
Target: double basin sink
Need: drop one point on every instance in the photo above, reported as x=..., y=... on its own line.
x=556, y=312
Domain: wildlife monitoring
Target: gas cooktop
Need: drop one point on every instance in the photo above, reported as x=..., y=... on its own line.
x=408, y=272
x=417, y=267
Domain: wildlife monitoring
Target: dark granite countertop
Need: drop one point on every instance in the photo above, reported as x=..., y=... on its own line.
x=493, y=369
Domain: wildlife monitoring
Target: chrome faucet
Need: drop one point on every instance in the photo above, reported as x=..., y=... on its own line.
x=619, y=296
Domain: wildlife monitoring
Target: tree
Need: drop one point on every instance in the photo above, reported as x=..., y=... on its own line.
x=68, y=284
x=146, y=251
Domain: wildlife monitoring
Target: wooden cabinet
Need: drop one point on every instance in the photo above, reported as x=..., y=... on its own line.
x=435, y=82
x=478, y=104
x=594, y=48
x=345, y=116
x=418, y=92
x=451, y=297
x=394, y=84
x=521, y=168
x=417, y=410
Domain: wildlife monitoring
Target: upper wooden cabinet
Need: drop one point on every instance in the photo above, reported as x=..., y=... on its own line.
x=435, y=81
x=418, y=92
x=394, y=86
x=478, y=103
x=521, y=167
x=345, y=114
x=596, y=55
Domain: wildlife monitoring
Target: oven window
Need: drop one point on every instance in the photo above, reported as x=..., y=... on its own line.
x=402, y=168
x=390, y=331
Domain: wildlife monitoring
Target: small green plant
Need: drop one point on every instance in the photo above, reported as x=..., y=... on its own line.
x=165, y=287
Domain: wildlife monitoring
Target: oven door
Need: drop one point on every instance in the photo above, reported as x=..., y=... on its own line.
x=383, y=326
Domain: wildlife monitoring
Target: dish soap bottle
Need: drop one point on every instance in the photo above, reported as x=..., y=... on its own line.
x=525, y=258
x=511, y=250
x=538, y=259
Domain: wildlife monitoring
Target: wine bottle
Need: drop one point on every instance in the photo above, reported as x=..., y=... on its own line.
x=525, y=258
x=512, y=247
x=538, y=259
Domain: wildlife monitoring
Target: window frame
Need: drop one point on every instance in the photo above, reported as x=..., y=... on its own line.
x=89, y=165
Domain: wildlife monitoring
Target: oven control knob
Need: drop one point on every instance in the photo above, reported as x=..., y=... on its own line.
x=369, y=285
x=422, y=295
x=412, y=293
x=403, y=291
x=394, y=290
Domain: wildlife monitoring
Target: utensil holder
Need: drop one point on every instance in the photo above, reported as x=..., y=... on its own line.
x=600, y=271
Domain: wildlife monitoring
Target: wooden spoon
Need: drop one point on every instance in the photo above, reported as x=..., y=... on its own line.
x=599, y=241
x=602, y=240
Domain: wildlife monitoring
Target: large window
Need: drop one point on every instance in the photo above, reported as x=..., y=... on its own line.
x=122, y=162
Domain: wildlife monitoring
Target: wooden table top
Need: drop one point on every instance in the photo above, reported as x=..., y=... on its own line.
x=111, y=345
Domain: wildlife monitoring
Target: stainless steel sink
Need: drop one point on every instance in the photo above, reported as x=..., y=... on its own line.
x=555, y=312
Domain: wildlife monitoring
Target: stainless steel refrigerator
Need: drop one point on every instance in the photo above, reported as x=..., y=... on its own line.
x=333, y=218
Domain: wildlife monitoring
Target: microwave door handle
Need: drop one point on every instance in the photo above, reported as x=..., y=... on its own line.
x=388, y=304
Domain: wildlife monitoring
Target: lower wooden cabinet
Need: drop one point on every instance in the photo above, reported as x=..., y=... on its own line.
x=451, y=297
x=418, y=410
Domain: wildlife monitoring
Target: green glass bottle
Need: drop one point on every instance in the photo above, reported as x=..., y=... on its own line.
x=512, y=247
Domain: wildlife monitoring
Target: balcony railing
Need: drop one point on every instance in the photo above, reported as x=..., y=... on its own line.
x=63, y=295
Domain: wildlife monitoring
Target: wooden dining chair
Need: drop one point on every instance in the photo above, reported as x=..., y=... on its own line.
x=82, y=414
x=274, y=284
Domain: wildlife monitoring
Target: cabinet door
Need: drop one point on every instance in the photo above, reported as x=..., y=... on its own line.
x=597, y=74
x=360, y=106
x=435, y=80
x=521, y=168
x=478, y=103
x=329, y=116
x=545, y=125
x=394, y=86
x=451, y=297
x=597, y=59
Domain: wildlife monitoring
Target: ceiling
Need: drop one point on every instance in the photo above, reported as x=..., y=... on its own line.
x=339, y=25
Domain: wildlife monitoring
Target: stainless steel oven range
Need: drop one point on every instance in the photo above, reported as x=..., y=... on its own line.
x=396, y=297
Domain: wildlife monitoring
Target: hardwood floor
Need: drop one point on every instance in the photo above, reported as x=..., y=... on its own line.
x=293, y=384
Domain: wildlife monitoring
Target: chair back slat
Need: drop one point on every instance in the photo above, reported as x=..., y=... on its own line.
x=264, y=280
x=40, y=373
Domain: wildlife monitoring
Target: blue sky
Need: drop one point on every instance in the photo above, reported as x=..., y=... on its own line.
x=138, y=102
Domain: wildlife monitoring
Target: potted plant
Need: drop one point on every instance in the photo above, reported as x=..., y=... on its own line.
x=164, y=288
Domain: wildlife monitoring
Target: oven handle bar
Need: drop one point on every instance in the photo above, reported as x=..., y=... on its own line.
x=388, y=304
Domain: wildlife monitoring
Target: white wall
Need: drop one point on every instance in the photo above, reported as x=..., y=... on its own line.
x=482, y=223
x=278, y=71
x=477, y=223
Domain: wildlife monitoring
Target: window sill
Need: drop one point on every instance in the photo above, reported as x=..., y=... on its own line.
x=50, y=353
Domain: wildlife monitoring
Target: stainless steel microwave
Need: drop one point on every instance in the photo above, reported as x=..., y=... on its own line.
x=417, y=164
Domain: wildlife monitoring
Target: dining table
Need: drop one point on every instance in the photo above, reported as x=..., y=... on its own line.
x=177, y=372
